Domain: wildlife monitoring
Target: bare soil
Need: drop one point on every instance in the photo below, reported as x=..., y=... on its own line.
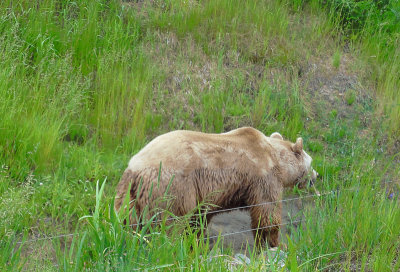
x=230, y=223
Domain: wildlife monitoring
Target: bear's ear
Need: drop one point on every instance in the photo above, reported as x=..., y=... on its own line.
x=298, y=146
x=277, y=135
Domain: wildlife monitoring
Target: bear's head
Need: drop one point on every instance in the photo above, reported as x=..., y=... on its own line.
x=294, y=163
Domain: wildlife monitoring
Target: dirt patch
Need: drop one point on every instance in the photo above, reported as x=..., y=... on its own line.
x=338, y=89
x=238, y=222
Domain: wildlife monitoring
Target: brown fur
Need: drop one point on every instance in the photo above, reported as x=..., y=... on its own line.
x=234, y=169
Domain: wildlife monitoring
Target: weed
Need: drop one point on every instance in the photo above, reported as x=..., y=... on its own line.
x=350, y=97
x=336, y=59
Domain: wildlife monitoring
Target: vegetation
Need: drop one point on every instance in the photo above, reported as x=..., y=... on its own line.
x=85, y=84
x=375, y=27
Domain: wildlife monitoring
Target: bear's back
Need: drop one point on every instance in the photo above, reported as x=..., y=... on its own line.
x=185, y=150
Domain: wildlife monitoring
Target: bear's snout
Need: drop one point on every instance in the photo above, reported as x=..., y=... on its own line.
x=309, y=179
x=313, y=177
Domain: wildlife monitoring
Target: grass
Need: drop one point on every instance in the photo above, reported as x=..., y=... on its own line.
x=336, y=60
x=85, y=84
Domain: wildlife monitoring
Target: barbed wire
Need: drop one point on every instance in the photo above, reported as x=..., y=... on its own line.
x=248, y=206
x=212, y=212
x=209, y=237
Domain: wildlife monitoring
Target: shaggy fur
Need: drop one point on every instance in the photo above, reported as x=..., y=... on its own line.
x=234, y=169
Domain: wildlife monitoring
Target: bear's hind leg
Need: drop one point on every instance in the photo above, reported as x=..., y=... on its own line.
x=265, y=221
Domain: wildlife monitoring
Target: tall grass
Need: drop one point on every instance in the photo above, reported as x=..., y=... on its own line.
x=341, y=230
x=85, y=84
x=112, y=245
x=71, y=73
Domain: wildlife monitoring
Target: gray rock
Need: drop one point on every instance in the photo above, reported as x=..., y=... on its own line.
x=242, y=258
x=276, y=256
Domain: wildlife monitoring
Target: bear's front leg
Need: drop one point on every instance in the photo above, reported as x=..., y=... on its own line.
x=265, y=221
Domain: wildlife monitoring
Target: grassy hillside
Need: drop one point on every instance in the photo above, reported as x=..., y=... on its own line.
x=85, y=84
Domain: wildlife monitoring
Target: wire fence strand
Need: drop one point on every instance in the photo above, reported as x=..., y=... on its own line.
x=212, y=212
x=243, y=207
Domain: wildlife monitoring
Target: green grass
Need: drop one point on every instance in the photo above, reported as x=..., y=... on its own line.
x=336, y=60
x=85, y=84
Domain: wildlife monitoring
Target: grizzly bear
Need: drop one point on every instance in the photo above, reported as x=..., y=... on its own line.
x=239, y=168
